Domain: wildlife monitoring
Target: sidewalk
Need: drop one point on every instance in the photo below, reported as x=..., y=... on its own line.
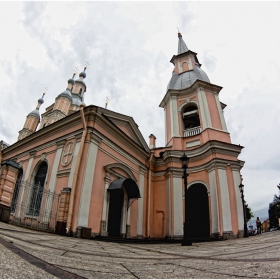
x=253, y=257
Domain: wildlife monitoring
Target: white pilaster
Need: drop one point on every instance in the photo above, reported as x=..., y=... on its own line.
x=168, y=214
x=55, y=167
x=74, y=162
x=204, y=109
x=87, y=184
x=177, y=206
x=239, y=206
x=174, y=117
x=165, y=125
x=105, y=197
x=226, y=213
x=22, y=193
x=214, y=202
x=140, y=203
x=221, y=114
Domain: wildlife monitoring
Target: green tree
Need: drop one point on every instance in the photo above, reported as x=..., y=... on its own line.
x=249, y=213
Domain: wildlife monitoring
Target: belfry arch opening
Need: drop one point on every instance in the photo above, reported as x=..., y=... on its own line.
x=198, y=211
x=190, y=116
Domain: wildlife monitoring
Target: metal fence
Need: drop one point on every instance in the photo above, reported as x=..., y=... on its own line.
x=33, y=207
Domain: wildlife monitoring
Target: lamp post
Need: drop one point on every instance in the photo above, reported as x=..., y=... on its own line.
x=241, y=187
x=186, y=239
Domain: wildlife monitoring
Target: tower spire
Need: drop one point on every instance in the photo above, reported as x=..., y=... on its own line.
x=182, y=47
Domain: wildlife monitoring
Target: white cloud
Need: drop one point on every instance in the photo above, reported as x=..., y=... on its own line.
x=129, y=46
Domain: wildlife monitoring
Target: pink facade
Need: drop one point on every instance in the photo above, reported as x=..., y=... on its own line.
x=111, y=183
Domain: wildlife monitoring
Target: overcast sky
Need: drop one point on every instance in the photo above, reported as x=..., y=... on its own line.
x=129, y=46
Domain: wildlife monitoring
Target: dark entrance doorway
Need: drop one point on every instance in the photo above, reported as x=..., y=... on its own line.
x=198, y=211
x=115, y=212
x=118, y=189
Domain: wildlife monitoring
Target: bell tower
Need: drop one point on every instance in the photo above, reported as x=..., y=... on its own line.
x=191, y=103
x=195, y=125
x=32, y=121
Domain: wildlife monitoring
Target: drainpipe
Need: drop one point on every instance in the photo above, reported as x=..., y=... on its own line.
x=76, y=172
x=149, y=194
x=163, y=218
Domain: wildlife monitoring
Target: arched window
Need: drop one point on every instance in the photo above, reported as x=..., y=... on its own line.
x=191, y=122
x=16, y=191
x=37, y=190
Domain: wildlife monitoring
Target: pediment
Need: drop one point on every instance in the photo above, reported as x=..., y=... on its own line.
x=128, y=126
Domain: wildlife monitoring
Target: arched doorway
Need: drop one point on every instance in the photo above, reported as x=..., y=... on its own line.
x=38, y=189
x=121, y=191
x=198, y=211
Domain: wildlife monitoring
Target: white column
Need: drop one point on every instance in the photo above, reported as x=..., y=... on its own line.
x=140, y=203
x=226, y=213
x=214, y=201
x=87, y=184
x=221, y=114
x=174, y=117
x=177, y=206
x=239, y=206
x=55, y=166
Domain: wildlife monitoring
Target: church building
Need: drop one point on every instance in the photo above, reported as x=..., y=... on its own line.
x=87, y=171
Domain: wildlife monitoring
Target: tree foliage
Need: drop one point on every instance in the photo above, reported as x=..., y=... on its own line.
x=249, y=213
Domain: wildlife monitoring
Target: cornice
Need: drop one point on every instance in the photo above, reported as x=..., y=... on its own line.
x=198, y=84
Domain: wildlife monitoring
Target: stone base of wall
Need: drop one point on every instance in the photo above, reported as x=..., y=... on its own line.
x=103, y=231
x=240, y=234
x=128, y=231
x=5, y=212
x=177, y=237
x=83, y=232
x=216, y=235
x=228, y=235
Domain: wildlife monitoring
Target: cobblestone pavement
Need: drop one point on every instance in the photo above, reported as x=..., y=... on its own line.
x=32, y=254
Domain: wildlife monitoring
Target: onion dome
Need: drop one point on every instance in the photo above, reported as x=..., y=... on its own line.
x=66, y=94
x=186, y=79
x=35, y=113
x=83, y=74
x=76, y=100
x=71, y=81
x=41, y=100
